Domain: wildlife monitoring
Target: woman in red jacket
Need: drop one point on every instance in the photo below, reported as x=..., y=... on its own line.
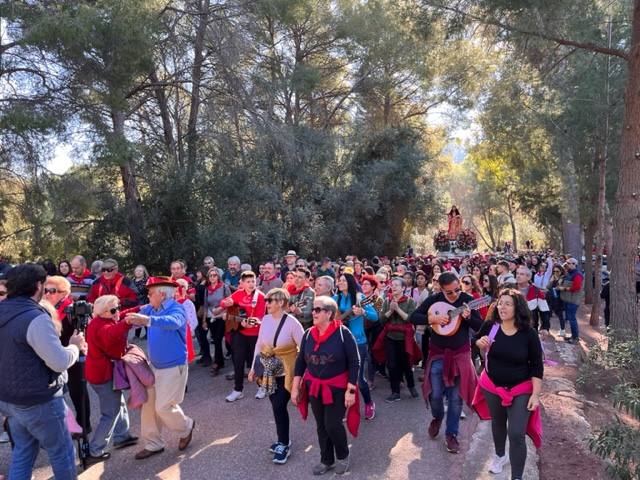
x=107, y=339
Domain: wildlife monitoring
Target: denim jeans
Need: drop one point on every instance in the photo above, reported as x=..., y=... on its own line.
x=114, y=418
x=570, y=310
x=436, y=398
x=363, y=349
x=40, y=426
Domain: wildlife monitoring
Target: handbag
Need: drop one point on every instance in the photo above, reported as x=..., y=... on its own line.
x=258, y=367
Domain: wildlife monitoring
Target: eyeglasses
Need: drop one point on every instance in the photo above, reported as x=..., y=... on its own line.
x=114, y=310
x=466, y=282
x=108, y=270
x=50, y=290
x=319, y=309
x=213, y=275
x=273, y=299
x=452, y=292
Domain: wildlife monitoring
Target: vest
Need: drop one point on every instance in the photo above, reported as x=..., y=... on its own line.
x=25, y=379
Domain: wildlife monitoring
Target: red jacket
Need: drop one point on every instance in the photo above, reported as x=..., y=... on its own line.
x=245, y=301
x=120, y=286
x=107, y=341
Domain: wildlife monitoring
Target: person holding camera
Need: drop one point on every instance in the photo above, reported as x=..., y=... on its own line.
x=57, y=291
x=107, y=338
x=32, y=376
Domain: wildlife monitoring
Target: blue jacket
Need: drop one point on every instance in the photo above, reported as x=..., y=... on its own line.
x=356, y=324
x=167, y=334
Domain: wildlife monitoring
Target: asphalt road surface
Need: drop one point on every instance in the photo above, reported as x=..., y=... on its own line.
x=231, y=441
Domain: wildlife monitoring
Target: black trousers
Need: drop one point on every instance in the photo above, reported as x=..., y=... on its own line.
x=216, y=327
x=398, y=364
x=332, y=435
x=279, y=402
x=243, y=347
x=79, y=395
x=203, y=342
x=372, y=335
x=541, y=320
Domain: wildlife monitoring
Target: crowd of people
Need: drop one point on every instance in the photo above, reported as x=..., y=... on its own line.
x=323, y=333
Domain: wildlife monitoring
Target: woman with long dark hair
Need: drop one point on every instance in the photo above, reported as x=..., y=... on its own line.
x=508, y=391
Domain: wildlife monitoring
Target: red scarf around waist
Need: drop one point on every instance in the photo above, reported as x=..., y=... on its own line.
x=449, y=371
x=455, y=363
x=322, y=386
x=534, y=425
x=410, y=346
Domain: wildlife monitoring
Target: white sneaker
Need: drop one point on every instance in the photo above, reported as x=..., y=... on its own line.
x=462, y=414
x=261, y=393
x=498, y=463
x=4, y=437
x=561, y=333
x=234, y=395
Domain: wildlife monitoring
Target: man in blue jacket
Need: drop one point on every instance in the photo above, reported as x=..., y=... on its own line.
x=33, y=366
x=166, y=324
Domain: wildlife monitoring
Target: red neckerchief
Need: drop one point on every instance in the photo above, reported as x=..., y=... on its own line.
x=320, y=339
x=62, y=304
x=402, y=299
x=80, y=279
x=295, y=291
x=212, y=289
x=270, y=279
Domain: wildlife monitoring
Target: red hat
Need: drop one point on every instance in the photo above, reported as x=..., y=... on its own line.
x=161, y=282
x=372, y=279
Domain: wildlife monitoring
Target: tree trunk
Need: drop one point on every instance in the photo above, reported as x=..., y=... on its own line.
x=599, y=239
x=514, y=238
x=163, y=104
x=196, y=79
x=571, y=230
x=626, y=234
x=589, y=232
x=134, y=217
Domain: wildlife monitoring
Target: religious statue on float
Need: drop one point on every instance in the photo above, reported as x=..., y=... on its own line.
x=455, y=223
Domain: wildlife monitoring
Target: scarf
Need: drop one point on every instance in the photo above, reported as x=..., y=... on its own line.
x=321, y=338
x=212, y=289
x=291, y=288
x=277, y=361
x=79, y=279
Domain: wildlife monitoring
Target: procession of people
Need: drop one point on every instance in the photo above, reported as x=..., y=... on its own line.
x=307, y=332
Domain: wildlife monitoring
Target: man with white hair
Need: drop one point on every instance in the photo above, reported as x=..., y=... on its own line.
x=324, y=286
x=165, y=320
x=232, y=276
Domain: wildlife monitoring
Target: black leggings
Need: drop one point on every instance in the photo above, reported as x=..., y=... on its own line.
x=332, y=435
x=243, y=347
x=510, y=421
x=279, y=400
x=79, y=395
x=203, y=342
x=398, y=364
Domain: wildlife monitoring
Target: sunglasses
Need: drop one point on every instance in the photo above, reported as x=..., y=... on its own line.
x=319, y=309
x=114, y=310
x=3, y=293
x=466, y=282
x=50, y=290
x=107, y=270
x=269, y=300
x=452, y=292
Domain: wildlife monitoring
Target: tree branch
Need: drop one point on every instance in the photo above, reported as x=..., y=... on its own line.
x=592, y=47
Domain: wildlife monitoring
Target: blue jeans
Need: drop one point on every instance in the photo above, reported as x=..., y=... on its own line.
x=114, y=418
x=363, y=349
x=436, y=398
x=39, y=426
x=570, y=310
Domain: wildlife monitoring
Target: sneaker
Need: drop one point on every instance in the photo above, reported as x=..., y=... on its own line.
x=273, y=446
x=342, y=466
x=414, y=392
x=321, y=469
x=369, y=411
x=434, y=427
x=394, y=397
x=4, y=437
x=462, y=414
x=451, y=441
x=234, y=395
x=261, y=393
x=281, y=454
x=498, y=463
x=561, y=333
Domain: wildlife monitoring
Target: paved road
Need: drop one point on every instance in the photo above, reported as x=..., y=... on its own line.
x=231, y=441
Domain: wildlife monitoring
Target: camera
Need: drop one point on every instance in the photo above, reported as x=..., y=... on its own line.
x=80, y=313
